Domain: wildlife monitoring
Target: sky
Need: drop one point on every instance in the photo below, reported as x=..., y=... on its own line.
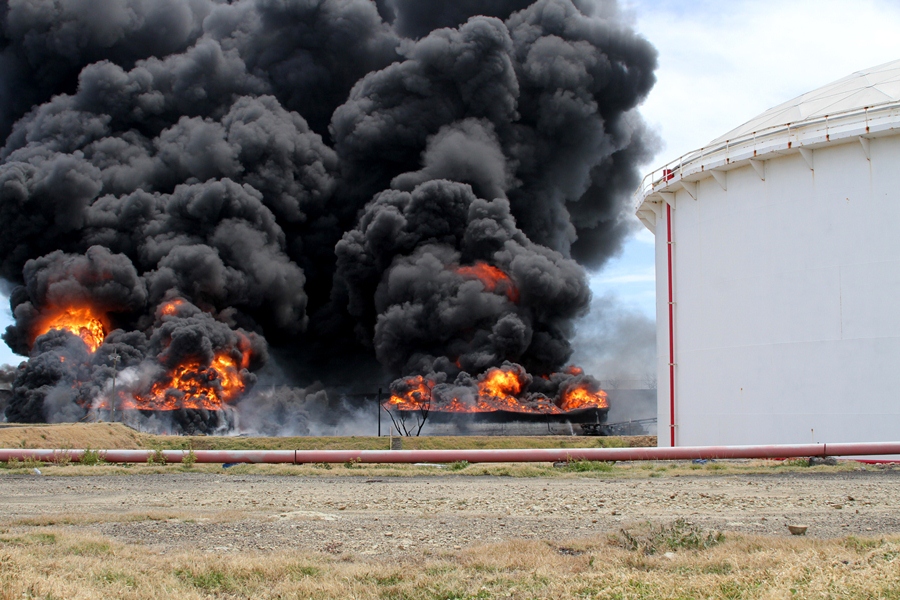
x=721, y=64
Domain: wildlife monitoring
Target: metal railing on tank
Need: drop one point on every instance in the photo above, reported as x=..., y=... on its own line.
x=675, y=169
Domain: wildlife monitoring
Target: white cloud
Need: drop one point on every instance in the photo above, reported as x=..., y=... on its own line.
x=643, y=276
x=6, y=355
x=645, y=236
x=722, y=64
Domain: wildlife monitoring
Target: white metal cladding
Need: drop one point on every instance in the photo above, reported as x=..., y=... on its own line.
x=786, y=285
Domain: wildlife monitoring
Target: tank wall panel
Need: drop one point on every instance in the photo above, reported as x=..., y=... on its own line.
x=786, y=302
x=787, y=393
x=870, y=300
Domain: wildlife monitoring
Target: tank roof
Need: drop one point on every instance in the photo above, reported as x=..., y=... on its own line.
x=861, y=106
x=868, y=88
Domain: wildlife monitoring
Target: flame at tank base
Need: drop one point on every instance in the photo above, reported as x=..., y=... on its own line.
x=585, y=415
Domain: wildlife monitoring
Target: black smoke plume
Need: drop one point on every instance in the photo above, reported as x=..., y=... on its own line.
x=360, y=189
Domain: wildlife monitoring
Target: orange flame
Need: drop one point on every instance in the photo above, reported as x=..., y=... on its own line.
x=193, y=385
x=171, y=307
x=82, y=321
x=417, y=396
x=244, y=347
x=580, y=396
x=500, y=389
x=501, y=386
x=492, y=278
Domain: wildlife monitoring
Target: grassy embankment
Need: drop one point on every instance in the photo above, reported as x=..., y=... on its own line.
x=116, y=435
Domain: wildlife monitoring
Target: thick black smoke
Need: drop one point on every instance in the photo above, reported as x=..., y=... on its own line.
x=428, y=313
x=415, y=20
x=324, y=181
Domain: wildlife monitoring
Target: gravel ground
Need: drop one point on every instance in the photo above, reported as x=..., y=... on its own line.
x=423, y=515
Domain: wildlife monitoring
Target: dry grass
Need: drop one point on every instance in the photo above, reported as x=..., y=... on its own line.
x=71, y=435
x=118, y=436
x=56, y=563
x=62, y=519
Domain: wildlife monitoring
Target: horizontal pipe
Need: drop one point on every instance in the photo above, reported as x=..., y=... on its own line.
x=472, y=456
x=142, y=456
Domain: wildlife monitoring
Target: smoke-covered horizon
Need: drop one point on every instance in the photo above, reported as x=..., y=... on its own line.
x=341, y=192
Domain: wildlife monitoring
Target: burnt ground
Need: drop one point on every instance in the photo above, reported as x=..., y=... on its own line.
x=427, y=514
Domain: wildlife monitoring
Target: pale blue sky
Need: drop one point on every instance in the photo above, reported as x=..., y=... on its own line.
x=722, y=63
x=6, y=355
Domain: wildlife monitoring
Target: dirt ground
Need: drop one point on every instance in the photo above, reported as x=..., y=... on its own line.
x=423, y=515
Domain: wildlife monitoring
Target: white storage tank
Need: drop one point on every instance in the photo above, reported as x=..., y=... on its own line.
x=778, y=273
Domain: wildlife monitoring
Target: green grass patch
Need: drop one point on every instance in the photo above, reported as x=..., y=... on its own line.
x=212, y=580
x=717, y=569
x=156, y=457
x=90, y=548
x=587, y=466
x=301, y=571
x=29, y=539
x=91, y=457
x=861, y=544
x=678, y=535
x=117, y=578
x=43, y=538
x=188, y=460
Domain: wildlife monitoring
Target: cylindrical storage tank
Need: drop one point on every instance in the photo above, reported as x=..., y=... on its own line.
x=778, y=273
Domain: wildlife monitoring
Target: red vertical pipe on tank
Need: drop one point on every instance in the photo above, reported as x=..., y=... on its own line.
x=671, y=329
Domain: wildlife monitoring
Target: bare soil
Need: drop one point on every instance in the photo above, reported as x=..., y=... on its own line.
x=424, y=515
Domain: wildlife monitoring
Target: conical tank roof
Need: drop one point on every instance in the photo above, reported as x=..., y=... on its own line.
x=861, y=106
x=868, y=88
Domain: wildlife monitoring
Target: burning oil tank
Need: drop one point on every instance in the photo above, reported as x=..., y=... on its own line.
x=578, y=416
x=588, y=421
x=505, y=396
x=777, y=266
x=235, y=201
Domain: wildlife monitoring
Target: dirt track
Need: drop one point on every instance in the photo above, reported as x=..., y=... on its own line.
x=409, y=515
